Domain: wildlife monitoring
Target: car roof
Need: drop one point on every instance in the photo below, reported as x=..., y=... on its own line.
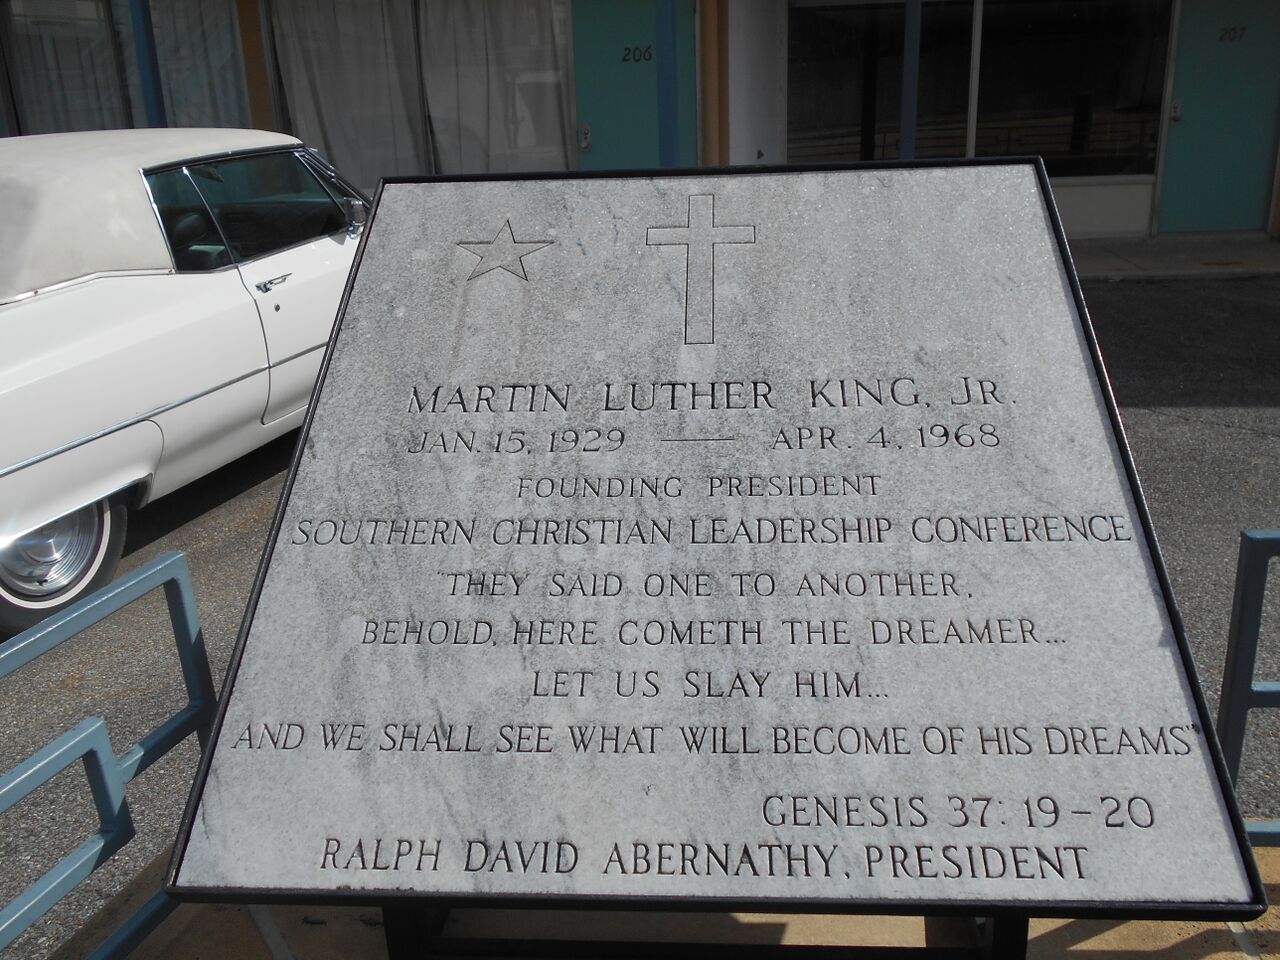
x=75, y=204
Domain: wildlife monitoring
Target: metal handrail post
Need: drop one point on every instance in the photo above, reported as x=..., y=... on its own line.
x=107, y=773
x=1240, y=692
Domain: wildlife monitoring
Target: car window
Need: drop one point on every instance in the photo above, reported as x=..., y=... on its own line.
x=193, y=238
x=267, y=203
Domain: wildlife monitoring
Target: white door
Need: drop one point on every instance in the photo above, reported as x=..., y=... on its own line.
x=297, y=292
x=291, y=241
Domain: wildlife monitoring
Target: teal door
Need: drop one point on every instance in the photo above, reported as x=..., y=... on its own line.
x=1221, y=151
x=633, y=63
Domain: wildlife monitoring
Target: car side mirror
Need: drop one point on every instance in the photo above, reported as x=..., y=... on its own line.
x=356, y=212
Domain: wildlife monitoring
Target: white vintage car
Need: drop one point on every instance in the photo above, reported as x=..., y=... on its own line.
x=165, y=299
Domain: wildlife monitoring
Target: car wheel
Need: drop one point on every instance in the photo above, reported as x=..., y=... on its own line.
x=52, y=566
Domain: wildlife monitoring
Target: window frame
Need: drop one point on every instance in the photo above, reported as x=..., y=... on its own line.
x=301, y=154
x=328, y=175
x=181, y=168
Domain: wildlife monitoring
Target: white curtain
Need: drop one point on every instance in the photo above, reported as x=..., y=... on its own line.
x=351, y=83
x=201, y=69
x=67, y=66
x=418, y=87
x=499, y=84
x=73, y=65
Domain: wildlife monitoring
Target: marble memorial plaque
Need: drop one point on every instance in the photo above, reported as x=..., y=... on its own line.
x=763, y=538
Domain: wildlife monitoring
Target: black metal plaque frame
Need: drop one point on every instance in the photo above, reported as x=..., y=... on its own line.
x=1012, y=910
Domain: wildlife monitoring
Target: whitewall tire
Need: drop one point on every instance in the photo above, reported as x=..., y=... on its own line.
x=53, y=566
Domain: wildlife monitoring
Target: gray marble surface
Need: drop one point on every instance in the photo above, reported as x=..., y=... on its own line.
x=1063, y=765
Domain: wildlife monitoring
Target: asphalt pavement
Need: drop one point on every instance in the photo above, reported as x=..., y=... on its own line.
x=126, y=671
x=1195, y=366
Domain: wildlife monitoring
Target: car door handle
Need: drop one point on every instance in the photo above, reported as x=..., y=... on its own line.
x=266, y=286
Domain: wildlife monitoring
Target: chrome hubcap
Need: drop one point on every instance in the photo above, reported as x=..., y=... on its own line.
x=49, y=559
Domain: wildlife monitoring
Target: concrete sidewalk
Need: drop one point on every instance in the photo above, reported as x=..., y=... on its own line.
x=1177, y=257
x=206, y=932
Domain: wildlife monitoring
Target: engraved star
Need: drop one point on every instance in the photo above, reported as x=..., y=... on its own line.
x=504, y=251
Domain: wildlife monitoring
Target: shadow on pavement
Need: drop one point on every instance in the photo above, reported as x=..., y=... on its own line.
x=1185, y=343
x=167, y=514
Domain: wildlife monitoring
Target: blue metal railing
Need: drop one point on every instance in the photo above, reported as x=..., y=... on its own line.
x=1240, y=692
x=107, y=774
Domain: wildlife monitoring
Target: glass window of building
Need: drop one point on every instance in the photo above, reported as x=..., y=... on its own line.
x=844, y=80
x=1077, y=81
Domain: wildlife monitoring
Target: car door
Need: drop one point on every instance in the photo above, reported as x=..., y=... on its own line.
x=192, y=349
x=293, y=247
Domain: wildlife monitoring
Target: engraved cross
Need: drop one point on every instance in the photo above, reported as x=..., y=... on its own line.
x=699, y=238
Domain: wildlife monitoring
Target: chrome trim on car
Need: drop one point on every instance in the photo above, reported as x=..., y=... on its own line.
x=293, y=246
x=116, y=428
x=224, y=155
x=164, y=234
x=234, y=261
x=123, y=424
x=231, y=263
x=300, y=353
x=266, y=286
x=61, y=284
x=312, y=157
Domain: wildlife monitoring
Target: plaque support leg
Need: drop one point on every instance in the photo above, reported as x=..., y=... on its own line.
x=410, y=927
x=1005, y=938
